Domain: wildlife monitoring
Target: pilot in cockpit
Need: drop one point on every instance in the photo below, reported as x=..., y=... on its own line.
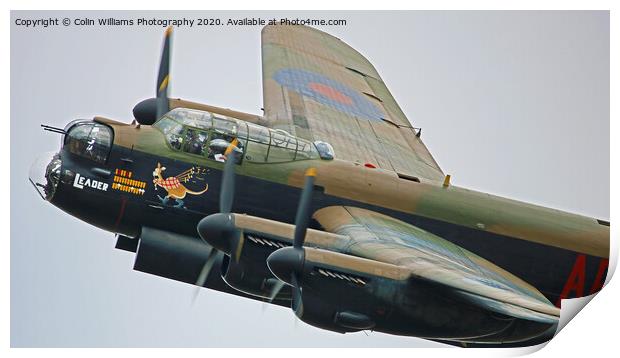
x=196, y=141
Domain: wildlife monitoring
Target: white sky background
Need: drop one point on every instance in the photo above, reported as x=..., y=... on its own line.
x=511, y=103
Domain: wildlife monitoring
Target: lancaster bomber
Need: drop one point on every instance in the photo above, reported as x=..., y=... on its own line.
x=329, y=203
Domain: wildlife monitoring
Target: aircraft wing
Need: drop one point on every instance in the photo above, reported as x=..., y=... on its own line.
x=317, y=87
x=432, y=259
x=371, y=245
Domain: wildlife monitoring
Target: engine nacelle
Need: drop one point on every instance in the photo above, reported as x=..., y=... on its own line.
x=335, y=314
x=248, y=272
x=251, y=277
x=343, y=293
x=145, y=112
x=332, y=297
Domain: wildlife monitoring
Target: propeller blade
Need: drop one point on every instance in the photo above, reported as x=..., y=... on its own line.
x=227, y=192
x=277, y=287
x=204, y=273
x=297, y=304
x=231, y=147
x=303, y=210
x=163, y=78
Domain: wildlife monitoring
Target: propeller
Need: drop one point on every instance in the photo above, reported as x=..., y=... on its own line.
x=150, y=110
x=296, y=304
x=276, y=287
x=303, y=209
x=287, y=263
x=223, y=226
x=163, y=78
x=227, y=191
x=204, y=273
x=219, y=229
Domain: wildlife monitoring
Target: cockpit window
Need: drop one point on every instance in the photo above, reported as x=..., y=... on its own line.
x=196, y=141
x=267, y=145
x=173, y=132
x=89, y=140
x=283, y=147
x=196, y=119
x=210, y=135
x=306, y=150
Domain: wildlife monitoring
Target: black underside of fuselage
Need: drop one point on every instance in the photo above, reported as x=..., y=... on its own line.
x=545, y=267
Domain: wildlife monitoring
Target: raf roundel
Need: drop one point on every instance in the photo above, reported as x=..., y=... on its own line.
x=326, y=91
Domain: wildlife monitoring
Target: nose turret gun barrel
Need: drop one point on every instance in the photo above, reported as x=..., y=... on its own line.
x=53, y=129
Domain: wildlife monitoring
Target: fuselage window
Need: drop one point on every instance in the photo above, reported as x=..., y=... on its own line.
x=325, y=150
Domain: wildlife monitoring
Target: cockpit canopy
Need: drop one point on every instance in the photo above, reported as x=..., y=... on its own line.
x=208, y=134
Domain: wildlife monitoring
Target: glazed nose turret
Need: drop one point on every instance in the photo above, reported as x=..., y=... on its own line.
x=45, y=174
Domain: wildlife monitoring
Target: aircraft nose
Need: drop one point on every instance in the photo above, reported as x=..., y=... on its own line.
x=44, y=174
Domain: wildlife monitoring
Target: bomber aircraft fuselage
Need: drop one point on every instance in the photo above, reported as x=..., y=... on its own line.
x=390, y=246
